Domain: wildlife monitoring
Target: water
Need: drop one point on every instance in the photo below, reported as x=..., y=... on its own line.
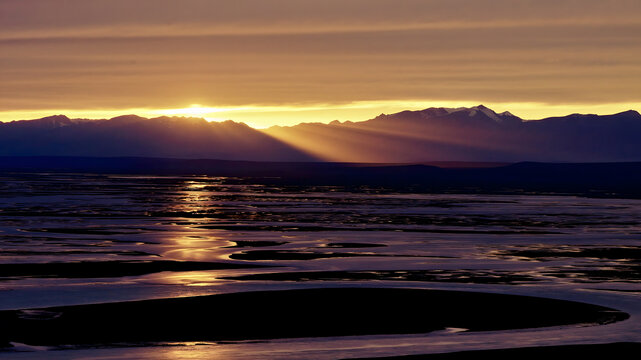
x=543, y=245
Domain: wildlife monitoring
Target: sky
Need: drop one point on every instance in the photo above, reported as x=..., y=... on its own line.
x=280, y=62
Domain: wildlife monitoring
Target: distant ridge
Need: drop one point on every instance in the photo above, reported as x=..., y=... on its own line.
x=131, y=135
x=474, y=134
x=471, y=134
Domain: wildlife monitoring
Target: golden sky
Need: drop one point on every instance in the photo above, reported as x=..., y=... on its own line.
x=269, y=62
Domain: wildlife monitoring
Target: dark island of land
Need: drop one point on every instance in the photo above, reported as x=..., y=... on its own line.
x=317, y=312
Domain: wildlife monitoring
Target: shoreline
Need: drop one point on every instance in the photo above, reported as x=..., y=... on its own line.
x=584, y=350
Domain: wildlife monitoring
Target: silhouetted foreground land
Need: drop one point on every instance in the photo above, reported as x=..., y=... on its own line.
x=593, y=351
x=292, y=314
x=590, y=179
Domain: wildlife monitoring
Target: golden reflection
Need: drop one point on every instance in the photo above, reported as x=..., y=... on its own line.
x=199, y=279
x=193, y=205
x=203, y=247
x=194, y=198
x=189, y=278
x=191, y=350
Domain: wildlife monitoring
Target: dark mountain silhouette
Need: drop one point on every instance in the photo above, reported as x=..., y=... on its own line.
x=471, y=134
x=476, y=134
x=131, y=135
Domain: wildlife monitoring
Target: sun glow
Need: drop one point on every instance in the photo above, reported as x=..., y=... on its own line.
x=196, y=110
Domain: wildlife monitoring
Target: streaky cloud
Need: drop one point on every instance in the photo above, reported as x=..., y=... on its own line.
x=209, y=30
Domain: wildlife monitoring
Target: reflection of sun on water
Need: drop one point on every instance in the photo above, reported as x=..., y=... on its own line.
x=198, y=248
x=189, y=278
x=193, y=350
x=194, y=198
x=194, y=205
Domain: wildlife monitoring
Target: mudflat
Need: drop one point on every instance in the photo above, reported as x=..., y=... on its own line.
x=591, y=351
x=318, y=312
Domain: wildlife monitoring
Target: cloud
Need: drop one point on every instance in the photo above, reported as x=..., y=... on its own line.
x=37, y=19
x=127, y=31
x=169, y=54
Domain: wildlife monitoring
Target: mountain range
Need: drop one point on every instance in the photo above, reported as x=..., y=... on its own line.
x=131, y=135
x=435, y=134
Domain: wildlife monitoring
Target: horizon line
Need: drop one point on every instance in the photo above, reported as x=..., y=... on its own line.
x=260, y=116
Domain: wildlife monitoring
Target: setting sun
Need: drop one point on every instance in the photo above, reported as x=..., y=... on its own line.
x=194, y=110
